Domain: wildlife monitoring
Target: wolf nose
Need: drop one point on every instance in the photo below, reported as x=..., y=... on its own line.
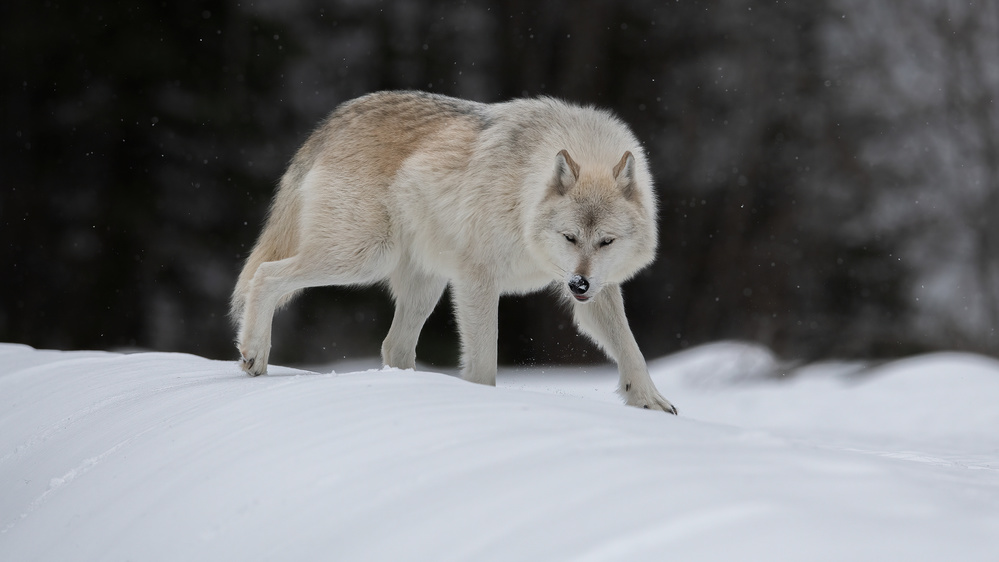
x=578, y=284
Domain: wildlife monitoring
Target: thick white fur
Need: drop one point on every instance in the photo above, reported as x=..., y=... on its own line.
x=421, y=190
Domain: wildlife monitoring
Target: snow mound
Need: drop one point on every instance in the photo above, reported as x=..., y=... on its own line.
x=164, y=456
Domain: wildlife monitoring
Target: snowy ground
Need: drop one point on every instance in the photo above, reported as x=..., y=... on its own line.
x=158, y=456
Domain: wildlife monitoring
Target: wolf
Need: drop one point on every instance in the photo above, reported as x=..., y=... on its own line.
x=420, y=191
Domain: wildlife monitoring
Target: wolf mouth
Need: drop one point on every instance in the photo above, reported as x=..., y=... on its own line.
x=580, y=298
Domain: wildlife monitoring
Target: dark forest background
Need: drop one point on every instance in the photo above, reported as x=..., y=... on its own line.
x=828, y=169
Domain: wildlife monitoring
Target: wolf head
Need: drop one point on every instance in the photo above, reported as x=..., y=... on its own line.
x=596, y=223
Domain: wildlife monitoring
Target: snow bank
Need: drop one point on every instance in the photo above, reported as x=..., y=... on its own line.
x=157, y=456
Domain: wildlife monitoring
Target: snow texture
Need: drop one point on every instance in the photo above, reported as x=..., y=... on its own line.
x=165, y=456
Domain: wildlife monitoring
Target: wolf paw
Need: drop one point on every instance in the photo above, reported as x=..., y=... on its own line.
x=648, y=399
x=252, y=364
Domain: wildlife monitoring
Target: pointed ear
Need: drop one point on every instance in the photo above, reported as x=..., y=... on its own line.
x=624, y=173
x=566, y=173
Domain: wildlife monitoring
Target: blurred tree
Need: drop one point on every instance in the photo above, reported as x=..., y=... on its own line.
x=927, y=72
x=127, y=130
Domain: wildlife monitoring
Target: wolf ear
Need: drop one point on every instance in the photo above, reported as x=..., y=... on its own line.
x=624, y=173
x=566, y=173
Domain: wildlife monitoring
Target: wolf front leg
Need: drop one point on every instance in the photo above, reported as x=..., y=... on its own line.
x=476, y=303
x=603, y=319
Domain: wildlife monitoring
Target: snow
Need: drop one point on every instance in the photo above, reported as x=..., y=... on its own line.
x=164, y=456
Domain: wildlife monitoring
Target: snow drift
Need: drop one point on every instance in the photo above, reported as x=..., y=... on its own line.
x=164, y=456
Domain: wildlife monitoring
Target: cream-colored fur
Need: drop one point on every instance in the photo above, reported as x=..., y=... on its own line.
x=422, y=190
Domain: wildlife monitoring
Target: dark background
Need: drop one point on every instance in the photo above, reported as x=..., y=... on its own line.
x=828, y=170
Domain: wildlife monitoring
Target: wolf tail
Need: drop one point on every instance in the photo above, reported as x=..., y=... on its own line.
x=279, y=240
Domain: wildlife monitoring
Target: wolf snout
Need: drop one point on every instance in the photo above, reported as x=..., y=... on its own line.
x=578, y=286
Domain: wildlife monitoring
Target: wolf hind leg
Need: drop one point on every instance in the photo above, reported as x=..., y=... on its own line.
x=416, y=295
x=476, y=302
x=274, y=283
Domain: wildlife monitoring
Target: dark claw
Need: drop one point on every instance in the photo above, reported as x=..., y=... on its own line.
x=646, y=406
x=627, y=387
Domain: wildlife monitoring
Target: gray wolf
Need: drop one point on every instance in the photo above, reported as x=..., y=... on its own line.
x=420, y=191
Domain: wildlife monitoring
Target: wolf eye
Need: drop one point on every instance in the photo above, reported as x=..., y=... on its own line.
x=606, y=242
x=570, y=238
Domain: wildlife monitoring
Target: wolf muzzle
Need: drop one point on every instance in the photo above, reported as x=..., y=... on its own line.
x=578, y=286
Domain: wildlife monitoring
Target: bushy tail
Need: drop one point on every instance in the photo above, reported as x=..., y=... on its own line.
x=279, y=240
